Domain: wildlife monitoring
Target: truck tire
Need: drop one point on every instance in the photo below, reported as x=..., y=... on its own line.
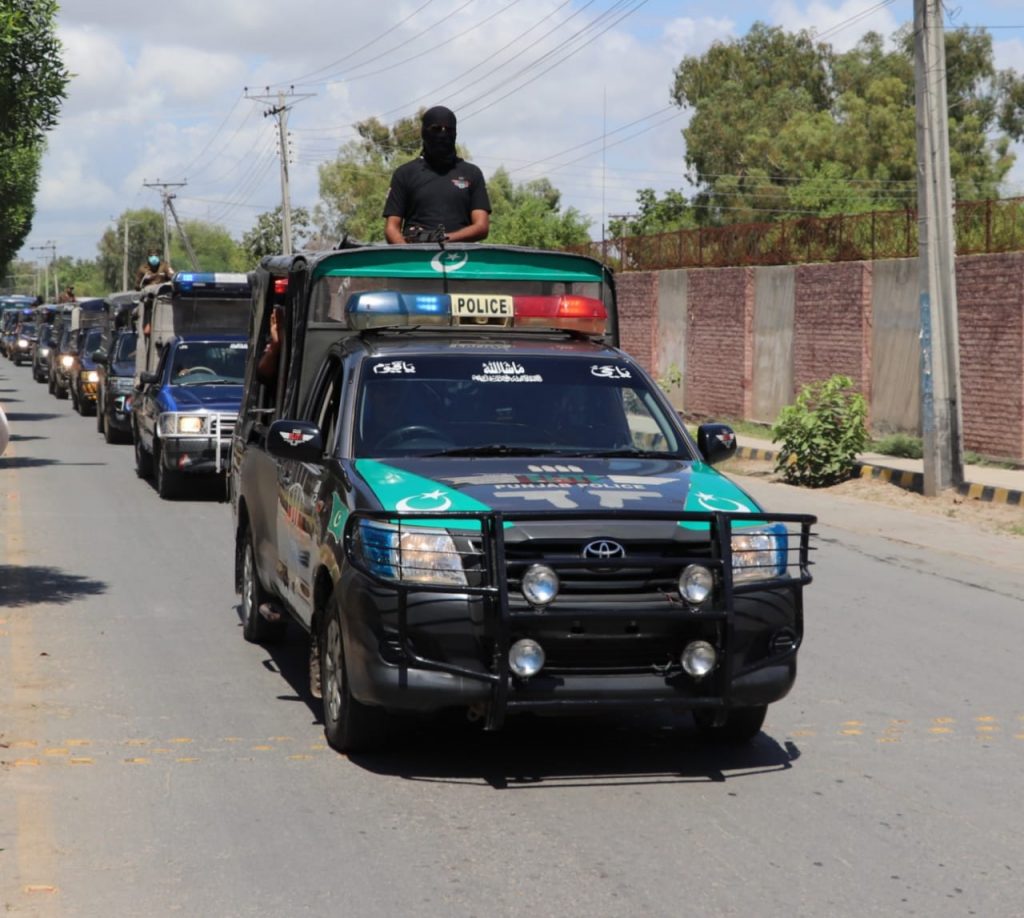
x=348, y=725
x=168, y=481
x=740, y=727
x=255, y=628
x=143, y=460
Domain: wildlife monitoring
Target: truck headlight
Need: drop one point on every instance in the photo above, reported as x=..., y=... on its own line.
x=22, y=343
x=44, y=352
x=190, y=424
x=759, y=554
x=67, y=361
x=416, y=555
x=92, y=376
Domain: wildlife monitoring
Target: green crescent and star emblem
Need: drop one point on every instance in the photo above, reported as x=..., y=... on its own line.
x=403, y=491
x=339, y=513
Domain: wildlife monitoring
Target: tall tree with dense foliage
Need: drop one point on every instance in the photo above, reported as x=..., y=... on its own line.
x=145, y=233
x=530, y=214
x=33, y=83
x=265, y=236
x=782, y=123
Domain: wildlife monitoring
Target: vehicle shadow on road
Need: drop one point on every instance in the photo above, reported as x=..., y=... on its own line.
x=16, y=417
x=543, y=752
x=30, y=462
x=29, y=585
x=539, y=753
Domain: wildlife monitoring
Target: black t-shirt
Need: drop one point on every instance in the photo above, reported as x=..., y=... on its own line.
x=423, y=197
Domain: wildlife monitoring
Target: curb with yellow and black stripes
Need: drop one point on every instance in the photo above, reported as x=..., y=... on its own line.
x=910, y=481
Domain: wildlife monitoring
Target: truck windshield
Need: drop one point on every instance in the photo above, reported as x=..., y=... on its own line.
x=124, y=351
x=205, y=363
x=506, y=405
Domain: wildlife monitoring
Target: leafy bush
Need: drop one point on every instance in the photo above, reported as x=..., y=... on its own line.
x=902, y=445
x=821, y=433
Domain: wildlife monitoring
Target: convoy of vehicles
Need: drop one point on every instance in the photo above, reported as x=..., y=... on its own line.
x=190, y=364
x=448, y=475
x=468, y=498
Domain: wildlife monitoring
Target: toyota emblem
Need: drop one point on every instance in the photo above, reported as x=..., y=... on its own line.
x=603, y=550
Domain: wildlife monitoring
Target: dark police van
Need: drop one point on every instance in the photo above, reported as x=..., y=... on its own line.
x=470, y=499
x=115, y=364
x=190, y=364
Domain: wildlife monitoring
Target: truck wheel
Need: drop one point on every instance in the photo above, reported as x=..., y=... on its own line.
x=348, y=725
x=143, y=460
x=168, y=482
x=60, y=391
x=99, y=417
x=741, y=725
x=76, y=402
x=49, y=383
x=255, y=628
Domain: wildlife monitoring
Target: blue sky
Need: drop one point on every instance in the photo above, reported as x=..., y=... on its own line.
x=574, y=90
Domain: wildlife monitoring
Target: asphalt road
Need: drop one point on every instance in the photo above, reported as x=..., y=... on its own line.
x=153, y=763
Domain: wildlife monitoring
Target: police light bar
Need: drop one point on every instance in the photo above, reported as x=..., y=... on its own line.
x=213, y=284
x=391, y=309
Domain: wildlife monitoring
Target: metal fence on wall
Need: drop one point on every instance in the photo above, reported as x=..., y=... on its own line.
x=981, y=227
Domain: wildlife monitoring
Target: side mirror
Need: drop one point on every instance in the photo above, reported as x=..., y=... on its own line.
x=147, y=379
x=716, y=442
x=299, y=440
x=100, y=357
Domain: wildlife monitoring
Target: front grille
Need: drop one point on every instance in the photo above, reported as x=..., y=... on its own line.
x=648, y=568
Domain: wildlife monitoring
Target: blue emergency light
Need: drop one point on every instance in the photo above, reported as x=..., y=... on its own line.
x=218, y=283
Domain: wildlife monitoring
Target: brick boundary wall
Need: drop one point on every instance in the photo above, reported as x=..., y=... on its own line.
x=832, y=324
x=832, y=334
x=719, y=342
x=990, y=309
x=637, y=296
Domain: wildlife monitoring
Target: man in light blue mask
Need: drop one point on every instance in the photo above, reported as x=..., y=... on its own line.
x=152, y=271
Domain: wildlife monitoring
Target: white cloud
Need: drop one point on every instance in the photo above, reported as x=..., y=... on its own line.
x=840, y=24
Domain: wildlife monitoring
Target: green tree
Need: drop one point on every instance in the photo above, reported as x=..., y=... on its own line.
x=33, y=83
x=782, y=123
x=84, y=274
x=145, y=233
x=213, y=245
x=530, y=214
x=353, y=186
x=672, y=212
x=265, y=236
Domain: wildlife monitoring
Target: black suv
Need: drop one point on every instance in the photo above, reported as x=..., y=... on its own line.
x=116, y=368
x=41, y=353
x=471, y=500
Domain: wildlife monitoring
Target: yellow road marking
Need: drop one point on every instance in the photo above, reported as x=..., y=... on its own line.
x=78, y=742
x=180, y=739
x=139, y=760
x=262, y=748
x=186, y=759
x=39, y=888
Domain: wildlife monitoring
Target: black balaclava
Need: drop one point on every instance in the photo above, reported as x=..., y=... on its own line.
x=439, y=147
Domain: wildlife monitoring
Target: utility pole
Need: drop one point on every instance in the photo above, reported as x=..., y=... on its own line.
x=166, y=197
x=280, y=111
x=941, y=410
x=51, y=247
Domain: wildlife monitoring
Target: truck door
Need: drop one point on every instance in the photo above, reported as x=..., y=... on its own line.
x=300, y=486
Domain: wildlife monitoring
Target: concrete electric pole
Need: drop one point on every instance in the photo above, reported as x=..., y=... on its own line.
x=941, y=414
x=51, y=247
x=280, y=111
x=166, y=197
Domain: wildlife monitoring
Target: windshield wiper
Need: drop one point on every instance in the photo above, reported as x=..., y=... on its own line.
x=630, y=453
x=496, y=449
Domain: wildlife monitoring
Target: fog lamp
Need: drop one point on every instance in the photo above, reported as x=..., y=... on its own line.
x=526, y=658
x=540, y=584
x=695, y=583
x=698, y=659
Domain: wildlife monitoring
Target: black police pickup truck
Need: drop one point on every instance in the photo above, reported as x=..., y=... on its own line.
x=469, y=499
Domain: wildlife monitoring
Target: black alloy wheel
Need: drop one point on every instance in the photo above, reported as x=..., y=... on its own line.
x=255, y=628
x=349, y=725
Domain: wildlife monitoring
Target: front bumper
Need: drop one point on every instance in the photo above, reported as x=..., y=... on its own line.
x=422, y=648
